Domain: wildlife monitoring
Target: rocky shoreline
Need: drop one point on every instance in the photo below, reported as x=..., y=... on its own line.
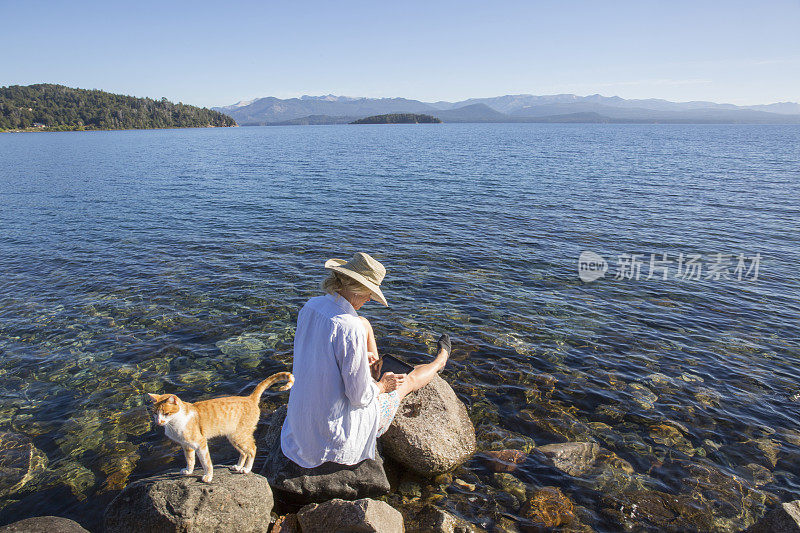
x=432, y=435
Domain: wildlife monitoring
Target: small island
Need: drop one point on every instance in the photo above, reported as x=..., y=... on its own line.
x=50, y=107
x=398, y=118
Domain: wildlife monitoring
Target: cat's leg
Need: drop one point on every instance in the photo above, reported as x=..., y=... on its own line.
x=246, y=445
x=250, y=448
x=205, y=461
x=242, y=454
x=188, y=453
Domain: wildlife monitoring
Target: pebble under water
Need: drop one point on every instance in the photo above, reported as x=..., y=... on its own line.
x=176, y=261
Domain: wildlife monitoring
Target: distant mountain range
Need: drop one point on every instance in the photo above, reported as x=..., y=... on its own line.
x=332, y=109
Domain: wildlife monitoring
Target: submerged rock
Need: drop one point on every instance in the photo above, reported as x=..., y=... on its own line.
x=760, y=475
x=731, y=500
x=614, y=381
x=80, y=433
x=707, y=397
x=617, y=480
x=20, y=462
x=669, y=435
x=243, y=345
x=666, y=435
x=135, y=421
x=434, y=520
x=118, y=461
x=539, y=386
x=327, y=481
x=491, y=437
x=614, y=412
x=44, y=524
x=511, y=485
x=505, y=460
x=642, y=395
x=173, y=502
x=464, y=485
x=364, y=515
x=76, y=477
x=549, y=507
x=658, y=379
x=551, y=417
x=574, y=458
x=431, y=432
x=783, y=519
x=792, y=436
x=608, y=460
x=670, y=512
x=710, y=500
x=410, y=490
x=770, y=448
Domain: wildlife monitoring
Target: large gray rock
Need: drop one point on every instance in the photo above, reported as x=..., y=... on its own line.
x=783, y=519
x=574, y=458
x=367, y=479
x=431, y=432
x=44, y=524
x=176, y=503
x=362, y=515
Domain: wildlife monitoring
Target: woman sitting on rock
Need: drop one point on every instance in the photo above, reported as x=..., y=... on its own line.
x=336, y=409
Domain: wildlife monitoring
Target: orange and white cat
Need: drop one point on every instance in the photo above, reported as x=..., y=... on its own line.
x=234, y=417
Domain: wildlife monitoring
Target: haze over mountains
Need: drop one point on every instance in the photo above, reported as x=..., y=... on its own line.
x=332, y=109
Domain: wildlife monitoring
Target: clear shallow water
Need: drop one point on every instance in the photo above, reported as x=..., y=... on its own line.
x=153, y=261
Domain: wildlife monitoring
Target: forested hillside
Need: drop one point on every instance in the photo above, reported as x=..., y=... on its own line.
x=59, y=108
x=398, y=118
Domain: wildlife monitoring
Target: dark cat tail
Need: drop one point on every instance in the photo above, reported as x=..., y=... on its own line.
x=264, y=385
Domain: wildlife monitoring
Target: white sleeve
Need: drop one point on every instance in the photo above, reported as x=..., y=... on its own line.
x=350, y=348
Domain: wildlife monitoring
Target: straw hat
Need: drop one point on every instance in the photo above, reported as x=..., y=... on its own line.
x=364, y=269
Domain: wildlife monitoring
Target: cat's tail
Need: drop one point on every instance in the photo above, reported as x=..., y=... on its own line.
x=264, y=385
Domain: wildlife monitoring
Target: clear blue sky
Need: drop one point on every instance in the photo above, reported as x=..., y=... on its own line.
x=216, y=53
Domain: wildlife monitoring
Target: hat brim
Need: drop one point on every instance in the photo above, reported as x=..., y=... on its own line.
x=335, y=265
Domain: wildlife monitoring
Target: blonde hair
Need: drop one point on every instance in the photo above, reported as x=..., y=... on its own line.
x=337, y=282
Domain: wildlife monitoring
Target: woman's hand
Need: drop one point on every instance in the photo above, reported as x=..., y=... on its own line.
x=391, y=381
x=372, y=357
x=375, y=364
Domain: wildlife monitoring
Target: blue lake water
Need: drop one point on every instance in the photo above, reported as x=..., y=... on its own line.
x=176, y=261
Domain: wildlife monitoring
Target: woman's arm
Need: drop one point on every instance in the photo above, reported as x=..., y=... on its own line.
x=350, y=348
x=373, y=358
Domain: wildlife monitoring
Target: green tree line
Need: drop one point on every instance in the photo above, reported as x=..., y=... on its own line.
x=60, y=108
x=398, y=118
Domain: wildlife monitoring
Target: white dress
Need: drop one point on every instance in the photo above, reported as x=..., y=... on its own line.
x=333, y=406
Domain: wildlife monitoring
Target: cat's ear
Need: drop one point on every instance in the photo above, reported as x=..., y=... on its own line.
x=153, y=397
x=172, y=399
